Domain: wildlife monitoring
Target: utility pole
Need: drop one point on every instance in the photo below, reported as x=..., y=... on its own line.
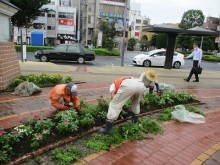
x=123, y=37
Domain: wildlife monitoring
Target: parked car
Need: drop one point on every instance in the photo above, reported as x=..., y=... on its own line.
x=157, y=58
x=66, y=52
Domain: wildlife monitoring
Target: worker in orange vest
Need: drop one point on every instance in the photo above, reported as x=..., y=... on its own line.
x=63, y=94
x=121, y=90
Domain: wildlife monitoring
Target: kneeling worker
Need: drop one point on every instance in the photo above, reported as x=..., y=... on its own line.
x=121, y=90
x=61, y=95
x=149, y=78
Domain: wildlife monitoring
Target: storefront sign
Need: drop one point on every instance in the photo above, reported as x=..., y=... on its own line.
x=103, y=14
x=67, y=22
x=112, y=3
x=99, y=40
x=68, y=37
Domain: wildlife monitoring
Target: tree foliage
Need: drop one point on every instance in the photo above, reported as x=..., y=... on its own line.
x=109, y=32
x=144, y=44
x=192, y=18
x=29, y=11
x=131, y=43
x=153, y=40
x=161, y=40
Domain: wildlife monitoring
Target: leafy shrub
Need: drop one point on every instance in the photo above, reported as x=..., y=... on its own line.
x=42, y=80
x=106, y=52
x=166, y=114
x=67, y=121
x=86, y=121
x=32, y=48
x=68, y=79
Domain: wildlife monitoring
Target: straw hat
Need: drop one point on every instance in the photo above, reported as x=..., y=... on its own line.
x=151, y=75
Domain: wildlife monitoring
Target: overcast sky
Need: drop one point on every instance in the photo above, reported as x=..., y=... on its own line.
x=171, y=11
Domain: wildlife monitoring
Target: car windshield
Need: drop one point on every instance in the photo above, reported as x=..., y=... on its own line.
x=151, y=52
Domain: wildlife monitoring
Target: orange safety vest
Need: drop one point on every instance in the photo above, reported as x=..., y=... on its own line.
x=118, y=82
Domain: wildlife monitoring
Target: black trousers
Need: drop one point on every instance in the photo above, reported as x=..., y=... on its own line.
x=195, y=65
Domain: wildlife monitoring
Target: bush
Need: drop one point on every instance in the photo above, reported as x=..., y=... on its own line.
x=105, y=52
x=32, y=48
x=211, y=58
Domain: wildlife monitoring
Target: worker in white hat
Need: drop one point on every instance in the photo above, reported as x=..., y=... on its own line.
x=63, y=94
x=149, y=78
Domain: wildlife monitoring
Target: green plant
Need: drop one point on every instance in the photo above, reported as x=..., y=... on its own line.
x=98, y=142
x=40, y=124
x=150, y=126
x=86, y=121
x=64, y=157
x=56, y=79
x=166, y=114
x=67, y=121
x=68, y=79
x=132, y=131
x=195, y=110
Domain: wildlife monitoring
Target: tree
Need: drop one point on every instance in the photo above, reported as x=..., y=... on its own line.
x=153, y=40
x=109, y=32
x=161, y=41
x=29, y=11
x=131, y=43
x=144, y=44
x=192, y=18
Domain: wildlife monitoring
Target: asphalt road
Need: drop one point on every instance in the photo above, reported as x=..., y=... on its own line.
x=128, y=56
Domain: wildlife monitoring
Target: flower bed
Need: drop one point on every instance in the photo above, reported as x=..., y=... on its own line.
x=41, y=131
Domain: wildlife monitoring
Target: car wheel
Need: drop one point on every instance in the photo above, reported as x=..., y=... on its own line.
x=147, y=63
x=81, y=60
x=177, y=65
x=43, y=58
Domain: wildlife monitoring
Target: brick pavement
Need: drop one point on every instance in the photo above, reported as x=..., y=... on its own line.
x=181, y=143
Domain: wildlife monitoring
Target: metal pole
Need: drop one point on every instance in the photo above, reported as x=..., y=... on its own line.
x=22, y=58
x=123, y=43
x=201, y=43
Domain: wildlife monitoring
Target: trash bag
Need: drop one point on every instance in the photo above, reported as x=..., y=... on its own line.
x=26, y=89
x=181, y=114
x=167, y=87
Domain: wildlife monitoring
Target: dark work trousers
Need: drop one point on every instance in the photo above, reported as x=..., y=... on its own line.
x=195, y=65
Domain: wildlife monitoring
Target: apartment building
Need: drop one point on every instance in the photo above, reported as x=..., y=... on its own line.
x=136, y=22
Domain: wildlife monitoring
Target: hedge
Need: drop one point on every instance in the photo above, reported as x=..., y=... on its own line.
x=105, y=52
x=32, y=48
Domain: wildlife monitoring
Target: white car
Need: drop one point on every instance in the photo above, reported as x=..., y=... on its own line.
x=157, y=58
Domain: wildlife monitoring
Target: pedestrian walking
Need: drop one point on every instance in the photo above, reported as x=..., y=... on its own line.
x=197, y=58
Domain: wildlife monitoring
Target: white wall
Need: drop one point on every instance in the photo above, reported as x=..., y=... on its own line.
x=5, y=27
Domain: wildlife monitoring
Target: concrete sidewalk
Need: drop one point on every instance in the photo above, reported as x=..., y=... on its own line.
x=193, y=140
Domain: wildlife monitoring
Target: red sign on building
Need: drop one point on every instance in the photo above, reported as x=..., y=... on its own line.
x=136, y=34
x=67, y=22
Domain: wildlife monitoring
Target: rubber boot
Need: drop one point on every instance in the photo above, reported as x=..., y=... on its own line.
x=108, y=127
x=134, y=118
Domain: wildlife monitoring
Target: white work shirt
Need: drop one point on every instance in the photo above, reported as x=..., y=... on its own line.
x=147, y=83
x=196, y=54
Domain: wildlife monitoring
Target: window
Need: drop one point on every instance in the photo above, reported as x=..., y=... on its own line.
x=42, y=14
x=90, y=31
x=73, y=48
x=61, y=48
x=138, y=21
x=50, y=15
x=91, y=7
x=160, y=53
x=89, y=19
x=66, y=15
x=137, y=28
x=50, y=28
